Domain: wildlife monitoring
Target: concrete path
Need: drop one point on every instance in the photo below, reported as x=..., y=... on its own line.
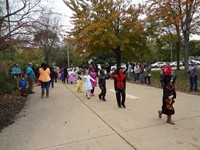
x=68, y=121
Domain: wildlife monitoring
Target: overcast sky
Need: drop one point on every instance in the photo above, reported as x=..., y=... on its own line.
x=60, y=7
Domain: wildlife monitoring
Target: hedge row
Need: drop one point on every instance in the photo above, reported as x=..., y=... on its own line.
x=7, y=83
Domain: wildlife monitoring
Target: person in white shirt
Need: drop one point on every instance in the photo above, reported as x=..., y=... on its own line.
x=137, y=72
x=129, y=71
x=87, y=85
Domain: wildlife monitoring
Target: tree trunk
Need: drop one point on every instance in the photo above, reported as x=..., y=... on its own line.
x=178, y=44
x=186, y=48
x=118, y=56
x=186, y=30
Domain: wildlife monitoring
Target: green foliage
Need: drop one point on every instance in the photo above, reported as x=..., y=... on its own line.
x=194, y=48
x=23, y=58
x=7, y=83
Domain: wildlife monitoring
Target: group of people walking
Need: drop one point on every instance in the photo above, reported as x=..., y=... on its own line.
x=87, y=81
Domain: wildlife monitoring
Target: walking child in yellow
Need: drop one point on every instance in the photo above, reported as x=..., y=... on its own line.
x=80, y=82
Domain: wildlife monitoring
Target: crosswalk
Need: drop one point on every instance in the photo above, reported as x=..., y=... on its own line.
x=127, y=95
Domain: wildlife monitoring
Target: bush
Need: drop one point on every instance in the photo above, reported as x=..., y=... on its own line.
x=7, y=83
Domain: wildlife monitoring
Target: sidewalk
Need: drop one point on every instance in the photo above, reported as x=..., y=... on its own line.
x=67, y=120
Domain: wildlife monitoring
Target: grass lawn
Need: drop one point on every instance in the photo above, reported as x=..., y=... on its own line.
x=182, y=81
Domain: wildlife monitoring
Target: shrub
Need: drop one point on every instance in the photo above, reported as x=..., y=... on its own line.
x=7, y=83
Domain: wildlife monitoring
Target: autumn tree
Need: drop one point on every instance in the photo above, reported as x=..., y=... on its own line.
x=101, y=26
x=175, y=17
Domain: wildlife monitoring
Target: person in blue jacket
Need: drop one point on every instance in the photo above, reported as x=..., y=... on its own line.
x=31, y=78
x=23, y=87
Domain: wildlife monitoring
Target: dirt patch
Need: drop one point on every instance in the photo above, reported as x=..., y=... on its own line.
x=10, y=106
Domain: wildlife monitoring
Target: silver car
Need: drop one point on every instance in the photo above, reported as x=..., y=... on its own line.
x=158, y=64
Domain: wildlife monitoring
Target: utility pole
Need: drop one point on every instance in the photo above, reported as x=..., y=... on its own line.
x=171, y=52
x=68, y=55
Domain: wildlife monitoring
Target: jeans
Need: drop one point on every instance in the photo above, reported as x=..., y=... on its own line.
x=193, y=83
x=142, y=78
x=45, y=86
x=30, y=84
x=136, y=76
x=129, y=75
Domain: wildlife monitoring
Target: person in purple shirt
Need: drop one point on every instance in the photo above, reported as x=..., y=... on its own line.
x=93, y=74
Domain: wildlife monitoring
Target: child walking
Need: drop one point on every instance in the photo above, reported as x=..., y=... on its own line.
x=169, y=96
x=93, y=74
x=87, y=84
x=102, y=85
x=80, y=82
x=23, y=87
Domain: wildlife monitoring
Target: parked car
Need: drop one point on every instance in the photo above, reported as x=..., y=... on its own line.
x=197, y=58
x=195, y=61
x=114, y=67
x=99, y=66
x=174, y=64
x=158, y=64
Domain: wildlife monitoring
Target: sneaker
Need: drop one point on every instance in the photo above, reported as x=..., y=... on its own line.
x=99, y=97
x=124, y=106
x=104, y=99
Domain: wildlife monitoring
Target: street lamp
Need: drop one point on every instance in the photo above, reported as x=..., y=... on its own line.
x=68, y=48
x=68, y=56
x=171, y=52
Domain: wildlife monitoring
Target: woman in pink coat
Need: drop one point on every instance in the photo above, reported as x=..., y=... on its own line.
x=93, y=74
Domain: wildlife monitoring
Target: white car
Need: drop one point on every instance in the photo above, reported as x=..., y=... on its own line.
x=99, y=66
x=114, y=67
x=158, y=64
x=195, y=61
x=174, y=64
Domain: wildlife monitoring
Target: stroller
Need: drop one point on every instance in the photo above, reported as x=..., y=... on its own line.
x=72, y=77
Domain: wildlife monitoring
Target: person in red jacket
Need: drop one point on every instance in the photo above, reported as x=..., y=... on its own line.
x=167, y=70
x=120, y=87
